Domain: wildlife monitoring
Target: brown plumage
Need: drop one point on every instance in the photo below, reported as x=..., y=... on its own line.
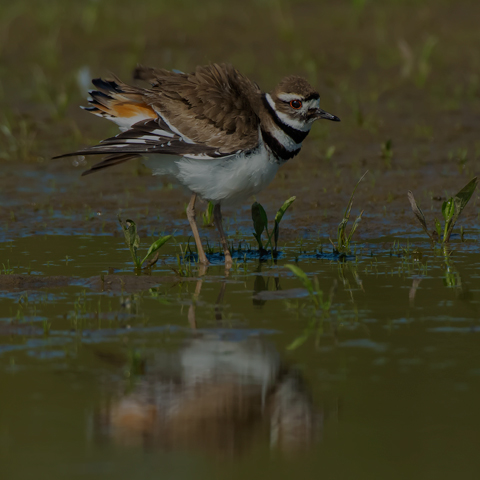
x=215, y=105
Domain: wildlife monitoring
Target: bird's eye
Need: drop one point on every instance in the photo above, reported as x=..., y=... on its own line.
x=296, y=104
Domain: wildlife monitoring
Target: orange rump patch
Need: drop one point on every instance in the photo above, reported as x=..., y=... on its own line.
x=128, y=110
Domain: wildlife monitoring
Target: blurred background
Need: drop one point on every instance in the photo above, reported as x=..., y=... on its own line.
x=403, y=76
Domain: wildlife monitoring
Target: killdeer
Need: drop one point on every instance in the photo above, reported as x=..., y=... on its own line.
x=213, y=131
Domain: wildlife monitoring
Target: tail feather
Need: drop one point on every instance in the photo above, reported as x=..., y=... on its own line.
x=110, y=161
x=123, y=104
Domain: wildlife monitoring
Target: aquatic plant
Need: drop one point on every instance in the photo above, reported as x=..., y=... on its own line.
x=6, y=269
x=186, y=260
x=207, y=216
x=184, y=265
x=132, y=240
x=260, y=224
x=451, y=210
x=343, y=239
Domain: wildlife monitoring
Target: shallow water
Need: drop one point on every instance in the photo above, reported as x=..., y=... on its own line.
x=239, y=375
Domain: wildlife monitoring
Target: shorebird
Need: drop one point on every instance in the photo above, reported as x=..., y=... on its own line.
x=213, y=131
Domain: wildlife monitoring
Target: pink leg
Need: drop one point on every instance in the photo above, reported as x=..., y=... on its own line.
x=202, y=258
x=217, y=216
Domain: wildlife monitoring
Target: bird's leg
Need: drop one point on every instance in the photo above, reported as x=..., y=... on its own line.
x=219, y=301
x=202, y=258
x=191, y=311
x=217, y=217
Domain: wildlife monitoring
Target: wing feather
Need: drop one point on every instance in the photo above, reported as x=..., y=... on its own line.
x=210, y=113
x=215, y=105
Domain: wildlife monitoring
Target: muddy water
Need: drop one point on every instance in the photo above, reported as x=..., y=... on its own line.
x=238, y=375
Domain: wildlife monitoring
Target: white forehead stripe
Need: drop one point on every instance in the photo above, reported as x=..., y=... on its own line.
x=287, y=97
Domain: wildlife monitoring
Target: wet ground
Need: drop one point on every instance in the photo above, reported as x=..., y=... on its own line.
x=184, y=373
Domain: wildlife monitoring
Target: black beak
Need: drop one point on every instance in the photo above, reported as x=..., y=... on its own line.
x=325, y=115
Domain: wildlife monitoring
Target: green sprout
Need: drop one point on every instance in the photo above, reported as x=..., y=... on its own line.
x=343, y=239
x=6, y=269
x=260, y=224
x=451, y=210
x=207, y=216
x=132, y=240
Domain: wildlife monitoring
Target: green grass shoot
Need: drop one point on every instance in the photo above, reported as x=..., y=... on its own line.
x=260, y=224
x=343, y=239
x=451, y=211
x=132, y=240
x=207, y=216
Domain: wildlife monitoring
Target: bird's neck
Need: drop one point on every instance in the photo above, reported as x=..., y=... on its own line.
x=282, y=135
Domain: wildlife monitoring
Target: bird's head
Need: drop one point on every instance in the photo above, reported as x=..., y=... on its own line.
x=297, y=103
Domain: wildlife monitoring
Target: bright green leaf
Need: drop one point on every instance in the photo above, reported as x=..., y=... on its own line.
x=156, y=245
x=283, y=209
x=448, y=209
x=278, y=218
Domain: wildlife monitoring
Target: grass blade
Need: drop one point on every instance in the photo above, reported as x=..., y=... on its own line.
x=459, y=202
x=207, y=216
x=419, y=214
x=465, y=194
x=342, y=240
x=283, y=209
x=156, y=245
x=354, y=226
x=278, y=219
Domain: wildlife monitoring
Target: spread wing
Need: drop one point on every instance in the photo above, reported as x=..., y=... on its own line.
x=210, y=113
x=216, y=105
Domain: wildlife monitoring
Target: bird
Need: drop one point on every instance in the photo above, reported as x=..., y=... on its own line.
x=212, y=131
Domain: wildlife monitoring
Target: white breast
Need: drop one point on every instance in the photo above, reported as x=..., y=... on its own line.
x=226, y=180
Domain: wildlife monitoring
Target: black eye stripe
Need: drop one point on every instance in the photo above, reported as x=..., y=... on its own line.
x=298, y=136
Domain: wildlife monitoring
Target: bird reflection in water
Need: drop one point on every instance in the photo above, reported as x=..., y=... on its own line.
x=218, y=393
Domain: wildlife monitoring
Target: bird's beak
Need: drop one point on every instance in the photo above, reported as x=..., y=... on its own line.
x=325, y=115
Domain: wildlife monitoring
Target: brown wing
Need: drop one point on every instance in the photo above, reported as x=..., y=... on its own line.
x=210, y=113
x=215, y=106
